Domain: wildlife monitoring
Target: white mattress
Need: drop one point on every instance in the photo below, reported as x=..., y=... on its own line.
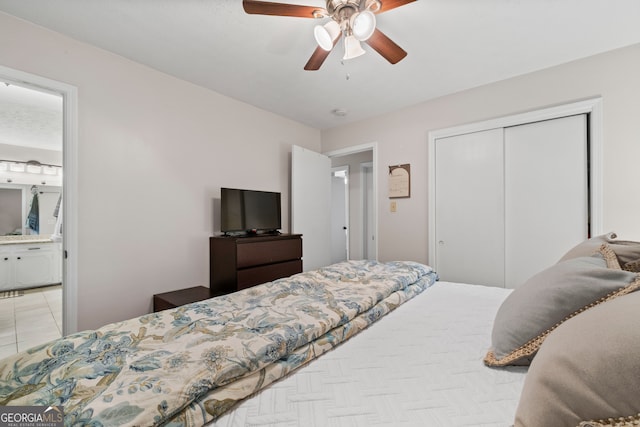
x=421, y=365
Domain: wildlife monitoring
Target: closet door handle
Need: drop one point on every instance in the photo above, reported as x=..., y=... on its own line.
x=6, y=259
x=34, y=249
x=19, y=257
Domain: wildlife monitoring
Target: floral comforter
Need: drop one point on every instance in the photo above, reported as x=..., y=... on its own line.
x=188, y=365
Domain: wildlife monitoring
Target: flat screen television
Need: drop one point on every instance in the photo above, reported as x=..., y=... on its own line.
x=249, y=211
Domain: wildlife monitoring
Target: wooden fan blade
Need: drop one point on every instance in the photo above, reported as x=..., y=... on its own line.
x=319, y=55
x=392, y=4
x=281, y=9
x=317, y=59
x=386, y=47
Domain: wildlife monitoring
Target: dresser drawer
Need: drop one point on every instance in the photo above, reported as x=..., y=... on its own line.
x=252, y=254
x=254, y=276
x=239, y=262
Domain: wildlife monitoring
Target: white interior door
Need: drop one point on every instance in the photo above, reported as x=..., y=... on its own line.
x=546, y=194
x=469, y=208
x=311, y=205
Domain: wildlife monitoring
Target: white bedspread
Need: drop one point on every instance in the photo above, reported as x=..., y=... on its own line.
x=421, y=365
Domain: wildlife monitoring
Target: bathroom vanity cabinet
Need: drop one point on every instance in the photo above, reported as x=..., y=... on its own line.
x=28, y=265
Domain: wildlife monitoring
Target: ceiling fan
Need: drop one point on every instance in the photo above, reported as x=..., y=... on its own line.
x=353, y=19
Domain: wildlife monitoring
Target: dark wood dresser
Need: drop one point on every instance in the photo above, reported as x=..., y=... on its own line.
x=237, y=263
x=241, y=262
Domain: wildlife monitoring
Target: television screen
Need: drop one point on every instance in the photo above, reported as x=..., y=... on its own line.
x=249, y=210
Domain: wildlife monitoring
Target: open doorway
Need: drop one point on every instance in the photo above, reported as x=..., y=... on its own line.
x=360, y=199
x=44, y=112
x=31, y=132
x=311, y=202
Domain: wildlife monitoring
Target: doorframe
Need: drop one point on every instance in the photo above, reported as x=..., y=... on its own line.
x=373, y=147
x=592, y=107
x=69, y=95
x=347, y=212
x=364, y=208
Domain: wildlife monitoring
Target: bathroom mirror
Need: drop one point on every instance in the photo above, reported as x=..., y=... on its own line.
x=15, y=203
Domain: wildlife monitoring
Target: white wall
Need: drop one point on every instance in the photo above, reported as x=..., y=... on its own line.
x=402, y=138
x=153, y=153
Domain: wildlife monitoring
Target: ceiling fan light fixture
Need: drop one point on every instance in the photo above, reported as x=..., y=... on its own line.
x=326, y=34
x=353, y=20
x=352, y=48
x=363, y=24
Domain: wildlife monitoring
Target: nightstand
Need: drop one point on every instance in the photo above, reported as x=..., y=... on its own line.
x=180, y=297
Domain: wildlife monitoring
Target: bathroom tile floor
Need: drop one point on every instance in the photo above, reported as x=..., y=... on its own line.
x=31, y=319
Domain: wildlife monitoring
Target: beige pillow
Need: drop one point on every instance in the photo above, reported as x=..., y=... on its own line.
x=587, y=372
x=551, y=297
x=627, y=251
x=633, y=266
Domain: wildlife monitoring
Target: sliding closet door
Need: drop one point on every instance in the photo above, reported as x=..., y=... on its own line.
x=546, y=194
x=469, y=208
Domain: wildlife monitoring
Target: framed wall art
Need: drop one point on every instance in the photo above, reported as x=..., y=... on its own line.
x=399, y=181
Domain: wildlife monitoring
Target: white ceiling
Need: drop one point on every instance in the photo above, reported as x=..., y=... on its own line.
x=452, y=45
x=30, y=118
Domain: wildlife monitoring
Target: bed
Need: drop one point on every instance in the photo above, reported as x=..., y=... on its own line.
x=420, y=352
x=421, y=365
